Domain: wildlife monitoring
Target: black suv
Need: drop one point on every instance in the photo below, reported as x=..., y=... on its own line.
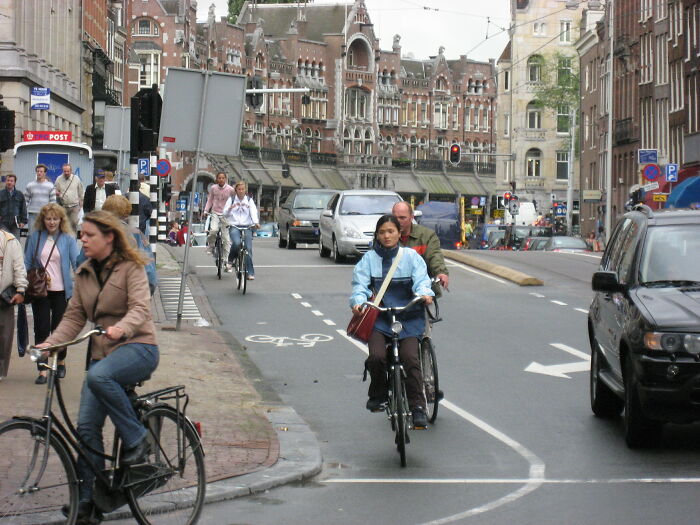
x=644, y=323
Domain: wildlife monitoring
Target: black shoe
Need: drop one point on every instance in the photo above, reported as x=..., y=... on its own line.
x=137, y=454
x=88, y=514
x=61, y=371
x=420, y=420
x=376, y=404
x=440, y=395
x=41, y=380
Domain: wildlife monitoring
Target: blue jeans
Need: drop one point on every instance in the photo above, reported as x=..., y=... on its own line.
x=103, y=395
x=236, y=245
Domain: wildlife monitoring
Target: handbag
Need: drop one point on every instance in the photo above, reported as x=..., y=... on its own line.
x=360, y=326
x=7, y=295
x=38, y=278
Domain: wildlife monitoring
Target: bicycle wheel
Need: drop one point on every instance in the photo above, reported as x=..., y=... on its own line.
x=37, y=479
x=218, y=255
x=244, y=270
x=430, y=378
x=171, y=486
x=401, y=414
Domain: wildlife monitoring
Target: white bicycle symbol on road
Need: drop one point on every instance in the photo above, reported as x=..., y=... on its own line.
x=307, y=340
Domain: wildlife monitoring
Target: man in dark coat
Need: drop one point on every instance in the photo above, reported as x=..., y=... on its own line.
x=96, y=194
x=13, y=207
x=145, y=210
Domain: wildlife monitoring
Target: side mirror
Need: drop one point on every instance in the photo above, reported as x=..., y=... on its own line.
x=605, y=282
x=418, y=213
x=327, y=213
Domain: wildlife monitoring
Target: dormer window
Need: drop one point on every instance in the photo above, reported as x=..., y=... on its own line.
x=145, y=27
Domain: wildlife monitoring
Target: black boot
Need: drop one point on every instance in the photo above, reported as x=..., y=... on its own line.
x=88, y=514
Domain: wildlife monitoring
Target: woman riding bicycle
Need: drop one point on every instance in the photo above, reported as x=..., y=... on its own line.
x=110, y=289
x=410, y=279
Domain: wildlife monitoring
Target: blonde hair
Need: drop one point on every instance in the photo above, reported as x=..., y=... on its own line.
x=119, y=205
x=241, y=183
x=122, y=249
x=55, y=209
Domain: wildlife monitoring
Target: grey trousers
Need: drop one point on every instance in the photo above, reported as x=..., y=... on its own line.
x=73, y=214
x=7, y=332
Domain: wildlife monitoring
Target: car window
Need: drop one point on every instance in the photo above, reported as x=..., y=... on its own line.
x=311, y=201
x=367, y=204
x=333, y=202
x=568, y=242
x=290, y=199
x=671, y=253
x=628, y=246
x=612, y=254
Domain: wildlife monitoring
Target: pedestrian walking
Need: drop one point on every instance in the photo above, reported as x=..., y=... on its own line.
x=69, y=194
x=13, y=207
x=145, y=212
x=240, y=210
x=13, y=282
x=38, y=194
x=52, y=246
x=96, y=194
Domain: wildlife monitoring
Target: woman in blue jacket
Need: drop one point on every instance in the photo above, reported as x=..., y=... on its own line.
x=51, y=245
x=410, y=279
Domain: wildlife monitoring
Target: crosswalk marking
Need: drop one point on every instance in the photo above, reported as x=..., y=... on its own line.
x=169, y=288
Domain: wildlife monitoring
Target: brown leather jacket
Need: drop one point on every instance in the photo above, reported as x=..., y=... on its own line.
x=123, y=301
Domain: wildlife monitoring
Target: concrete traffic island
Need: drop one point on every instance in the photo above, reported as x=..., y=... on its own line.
x=509, y=274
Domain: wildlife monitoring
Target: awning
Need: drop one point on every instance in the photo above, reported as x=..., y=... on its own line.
x=304, y=176
x=253, y=177
x=403, y=182
x=489, y=184
x=466, y=184
x=436, y=184
x=686, y=194
x=331, y=178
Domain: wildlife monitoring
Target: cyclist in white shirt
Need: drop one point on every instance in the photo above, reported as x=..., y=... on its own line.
x=240, y=210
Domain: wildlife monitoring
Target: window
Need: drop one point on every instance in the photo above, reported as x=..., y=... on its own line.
x=534, y=68
x=533, y=163
x=534, y=116
x=506, y=80
x=145, y=26
x=538, y=28
x=506, y=125
x=564, y=72
x=562, y=165
x=149, y=72
x=356, y=103
x=565, y=31
x=563, y=119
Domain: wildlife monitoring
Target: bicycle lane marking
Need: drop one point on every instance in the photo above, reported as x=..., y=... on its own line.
x=536, y=469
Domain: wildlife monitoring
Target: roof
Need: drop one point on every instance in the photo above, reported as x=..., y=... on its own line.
x=414, y=68
x=145, y=45
x=506, y=55
x=321, y=19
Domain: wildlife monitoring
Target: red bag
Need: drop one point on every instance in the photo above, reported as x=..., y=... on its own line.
x=360, y=326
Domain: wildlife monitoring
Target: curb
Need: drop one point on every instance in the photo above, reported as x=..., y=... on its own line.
x=519, y=278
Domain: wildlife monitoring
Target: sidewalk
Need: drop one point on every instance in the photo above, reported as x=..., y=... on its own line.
x=251, y=443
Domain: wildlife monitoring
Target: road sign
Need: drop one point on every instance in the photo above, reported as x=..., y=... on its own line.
x=181, y=205
x=648, y=156
x=145, y=167
x=560, y=211
x=163, y=167
x=196, y=199
x=651, y=172
x=514, y=207
x=671, y=172
x=660, y=197
x=651, y=186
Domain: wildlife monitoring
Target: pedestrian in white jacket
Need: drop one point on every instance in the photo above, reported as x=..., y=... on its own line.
x=12, y=273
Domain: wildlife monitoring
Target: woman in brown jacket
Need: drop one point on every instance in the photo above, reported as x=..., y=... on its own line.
x=111, y=290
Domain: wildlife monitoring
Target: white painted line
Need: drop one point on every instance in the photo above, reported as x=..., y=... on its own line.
x=572, y=351
x=317, y=313
x=329, y=322
x=559, y=303
x=306, y=305
x=536, y=469
x=482, y=274
x=508, y=481
x=538, y=295
x=581, y=254
x=582, y=310
x=296, y=296
x=204, y=266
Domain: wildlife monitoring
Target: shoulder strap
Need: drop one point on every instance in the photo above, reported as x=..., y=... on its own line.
x=36, y=251
x=389, y=275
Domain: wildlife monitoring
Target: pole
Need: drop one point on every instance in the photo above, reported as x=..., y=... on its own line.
x=134, y=191
x=191, y=204
x=570, y=181
x=609, y=98
x=162, y=215
x=153, y=222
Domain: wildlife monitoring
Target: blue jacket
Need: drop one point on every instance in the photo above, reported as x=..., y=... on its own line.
x=12, y=208
x=411, y=278
x=66, y=246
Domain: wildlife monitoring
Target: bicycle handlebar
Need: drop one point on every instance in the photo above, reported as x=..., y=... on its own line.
x=396, y=309
x=35, y=353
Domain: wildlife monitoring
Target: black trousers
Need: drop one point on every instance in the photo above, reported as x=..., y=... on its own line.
x=377, y=366
x=48, y=312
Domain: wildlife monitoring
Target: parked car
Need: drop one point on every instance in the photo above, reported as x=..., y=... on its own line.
x=267, y=229
x=644, y=324
x=562, y=243
x=533, y=244
x=347, y=224
x=298, y=217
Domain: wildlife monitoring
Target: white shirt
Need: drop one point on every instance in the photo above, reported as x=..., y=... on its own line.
x=241, y=212
x=100, y=197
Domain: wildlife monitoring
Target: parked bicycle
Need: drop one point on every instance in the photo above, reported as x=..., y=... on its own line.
x=397, y=408
x=239, y=264
x=39, y=483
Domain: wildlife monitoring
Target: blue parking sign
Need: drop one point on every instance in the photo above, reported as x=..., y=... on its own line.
x=145, y=167
x=671, y=172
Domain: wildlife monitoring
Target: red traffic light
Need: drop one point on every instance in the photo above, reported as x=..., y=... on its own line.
x=455, y=154
x=507, y=196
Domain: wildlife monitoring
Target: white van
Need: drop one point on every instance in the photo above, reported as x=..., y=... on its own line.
x=527, y=216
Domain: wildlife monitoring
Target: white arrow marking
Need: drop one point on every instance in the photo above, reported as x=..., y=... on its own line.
x=562, y=370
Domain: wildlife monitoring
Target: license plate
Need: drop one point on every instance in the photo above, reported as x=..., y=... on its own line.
x=316, y=232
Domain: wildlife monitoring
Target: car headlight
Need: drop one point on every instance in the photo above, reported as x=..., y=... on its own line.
x=672, y=342
x=692, y=343
x=351, y=232
x=301, y=223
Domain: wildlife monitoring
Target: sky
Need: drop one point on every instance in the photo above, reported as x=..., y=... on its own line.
x=425, y=25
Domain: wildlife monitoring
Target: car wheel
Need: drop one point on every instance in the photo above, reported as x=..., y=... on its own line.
x=290, y=243
x=604, y=402
x=640, y=431
x=322, y=250
x=282, y=243
x=335, y=255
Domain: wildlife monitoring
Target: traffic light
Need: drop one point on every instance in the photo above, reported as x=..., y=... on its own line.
x=254, y=100
x=506, y=197
x=146, y=107
x=7, y=127
x=285, y=171
x=455, y=154
x=167, y=192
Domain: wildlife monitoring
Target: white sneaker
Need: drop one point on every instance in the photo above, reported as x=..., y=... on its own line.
x=251, y=277
x=229, y=268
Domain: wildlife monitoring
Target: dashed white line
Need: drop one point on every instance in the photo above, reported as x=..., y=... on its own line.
x=582, y=310
x=538, y=295
x=305, y=304
x=482, y=274
x=317, y=313
x=559, y=303
x=296, y=296
x=329, y=322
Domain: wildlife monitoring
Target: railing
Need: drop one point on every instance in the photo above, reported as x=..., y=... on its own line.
x=271, y=154
x=249, y=153
x=364, y=77
x=427, y=165
x=365, y=160
x=328, y=159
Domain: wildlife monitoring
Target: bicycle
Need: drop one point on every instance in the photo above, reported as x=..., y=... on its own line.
x=218, y=249
x=239, y=264
x=428, y=363
x=397, y=409
x=39, y=482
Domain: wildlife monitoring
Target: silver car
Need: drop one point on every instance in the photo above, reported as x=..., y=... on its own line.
x=347, y=224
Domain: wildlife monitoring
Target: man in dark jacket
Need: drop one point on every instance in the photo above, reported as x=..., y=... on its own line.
x=96, y=194
x=145, y=211
x=13, y=207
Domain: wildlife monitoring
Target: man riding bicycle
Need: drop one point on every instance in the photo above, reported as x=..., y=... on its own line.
x=240, y=211
x=219, y=193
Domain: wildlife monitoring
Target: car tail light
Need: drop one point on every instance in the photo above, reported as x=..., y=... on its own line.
x=458, y=245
